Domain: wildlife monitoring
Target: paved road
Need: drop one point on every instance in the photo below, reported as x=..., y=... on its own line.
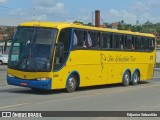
x=3, y=74
x=145, y=96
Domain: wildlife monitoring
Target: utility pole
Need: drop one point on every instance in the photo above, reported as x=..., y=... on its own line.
x=97, y=18
x=93, y=18
x=5, y=36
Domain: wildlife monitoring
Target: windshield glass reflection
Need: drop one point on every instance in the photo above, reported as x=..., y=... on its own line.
x=32, y=49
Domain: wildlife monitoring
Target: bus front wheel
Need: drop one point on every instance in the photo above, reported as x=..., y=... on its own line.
x=126, y=78
x=71, y=84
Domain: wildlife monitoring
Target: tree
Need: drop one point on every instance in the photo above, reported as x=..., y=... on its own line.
x=120, y=27
x=122, y=22
x=158, y=29
x=79, y=22
x=148, y=23
x=7, y=32
x=90, y=24
x=107, y=24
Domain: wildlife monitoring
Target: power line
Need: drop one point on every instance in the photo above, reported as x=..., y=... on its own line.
x=20, y=11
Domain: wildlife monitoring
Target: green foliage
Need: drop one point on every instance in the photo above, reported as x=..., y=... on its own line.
x=90, y=24
x=147, y=27
x=107, y=24
x=7, y=32
x=79, y=22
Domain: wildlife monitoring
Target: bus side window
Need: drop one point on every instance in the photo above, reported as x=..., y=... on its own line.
x=128, y=42
x=87, y=40
x=133, y=43
x=122, y=42
x=94, y=38
x=80, y=38
x=83, y=39
x=106, y=41
x=145, y=44
x=151, y=44
x=75, y=40
x=138, y=43
x=118, y=41
x=100, y=40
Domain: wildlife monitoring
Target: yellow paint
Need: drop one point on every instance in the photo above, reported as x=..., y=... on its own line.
x=94, y=67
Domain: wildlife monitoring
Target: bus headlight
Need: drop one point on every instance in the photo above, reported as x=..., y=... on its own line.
x=10, y=75
x=43, y=78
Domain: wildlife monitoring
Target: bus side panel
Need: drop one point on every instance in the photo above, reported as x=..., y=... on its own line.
x=89, y=65
x=94, y=70
x=60, y=77
x=114, y=73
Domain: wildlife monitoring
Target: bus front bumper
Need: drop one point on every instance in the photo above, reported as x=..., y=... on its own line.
x=39, y=84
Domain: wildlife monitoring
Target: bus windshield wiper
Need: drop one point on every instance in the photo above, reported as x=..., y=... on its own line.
x=20, y=61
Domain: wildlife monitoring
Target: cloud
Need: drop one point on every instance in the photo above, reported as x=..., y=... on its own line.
x=141, y=7
x=40, y=17
x=59, y=7
x=114, y=15
x=44, y=3
x=3, y=1
x=11, y=21
x=48, y=6
x=18, y=12
x=154, y=3
x=147, y=11
x=42, y=10
x=49, y=9
x=142, y=11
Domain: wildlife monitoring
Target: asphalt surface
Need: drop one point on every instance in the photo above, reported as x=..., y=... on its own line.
x=142, y=97
x=3, y=73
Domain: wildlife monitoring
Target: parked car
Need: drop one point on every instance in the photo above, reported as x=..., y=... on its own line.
x=3, y=59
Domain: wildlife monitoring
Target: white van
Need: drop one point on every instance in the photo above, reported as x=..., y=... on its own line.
x=3, y=59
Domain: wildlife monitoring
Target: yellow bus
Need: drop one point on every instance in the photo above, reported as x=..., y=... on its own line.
x=59, y=55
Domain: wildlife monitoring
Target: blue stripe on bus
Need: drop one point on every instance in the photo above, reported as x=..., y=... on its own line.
x=45, y=85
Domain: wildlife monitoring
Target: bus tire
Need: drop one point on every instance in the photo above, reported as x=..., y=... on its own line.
x=135, y=78
x=126, y=78
x=71, y=83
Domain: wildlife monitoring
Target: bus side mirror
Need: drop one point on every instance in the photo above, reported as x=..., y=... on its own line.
x=60, y=50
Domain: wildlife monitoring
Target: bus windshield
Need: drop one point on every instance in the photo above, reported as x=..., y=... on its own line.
x=32, y=49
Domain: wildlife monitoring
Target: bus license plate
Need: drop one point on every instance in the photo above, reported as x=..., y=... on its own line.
x=24, y=84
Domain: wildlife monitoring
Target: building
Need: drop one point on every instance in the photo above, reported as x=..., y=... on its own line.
x=2, y=46
x=115, y=25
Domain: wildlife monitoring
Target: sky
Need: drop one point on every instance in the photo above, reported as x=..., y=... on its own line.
x=13, y=12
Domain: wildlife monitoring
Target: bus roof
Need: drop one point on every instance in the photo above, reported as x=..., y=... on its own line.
x=61, y=25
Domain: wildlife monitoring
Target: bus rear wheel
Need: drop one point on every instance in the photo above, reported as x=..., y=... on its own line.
x=135, y=78
x=126, y=78
x=71, y=84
